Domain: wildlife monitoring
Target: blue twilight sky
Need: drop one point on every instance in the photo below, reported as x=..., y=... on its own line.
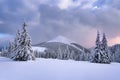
x=77, y=20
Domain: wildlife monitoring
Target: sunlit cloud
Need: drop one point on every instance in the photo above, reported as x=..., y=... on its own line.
x=64, y=4
x=84, y=4
x=113, y=41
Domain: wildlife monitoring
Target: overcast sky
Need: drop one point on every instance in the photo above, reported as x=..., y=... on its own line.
x=77, y=20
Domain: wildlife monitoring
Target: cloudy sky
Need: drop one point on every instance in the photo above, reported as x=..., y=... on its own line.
x=77, y=20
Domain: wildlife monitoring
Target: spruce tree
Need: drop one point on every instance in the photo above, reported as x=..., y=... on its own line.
x=16, y=45
x=101, y=53
x=105, y=51
x=10, y=49
x=23, y=51
x=97, y=53
x=17, y=39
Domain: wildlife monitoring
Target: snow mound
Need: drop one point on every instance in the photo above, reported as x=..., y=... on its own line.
x=62, y=39
x=39, y=49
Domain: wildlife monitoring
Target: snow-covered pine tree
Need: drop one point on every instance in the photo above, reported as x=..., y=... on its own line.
x=59, y=52
x=67, y=52
x=17, y=39
x=4, y=52
x=101, y=53
x=83, y=55
x=71, y=54
x=10, y=49
x=117, y=53
x=105, y=51
x=16, y=45
x=96, y=58
x=24, y=50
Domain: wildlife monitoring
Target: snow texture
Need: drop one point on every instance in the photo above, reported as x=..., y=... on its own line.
x=52, y=69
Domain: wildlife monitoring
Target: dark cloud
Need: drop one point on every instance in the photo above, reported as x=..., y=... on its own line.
x=46, y=20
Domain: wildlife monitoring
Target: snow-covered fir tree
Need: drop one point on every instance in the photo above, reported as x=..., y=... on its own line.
x=10, y=49
x=97, y=53
x=15, y=45
x=101, y=53
x=117, y=54
x=68, y=52
x=105, y=51
x=4, y=52
x=23, y=50
x=59, y=53
x=17, y=39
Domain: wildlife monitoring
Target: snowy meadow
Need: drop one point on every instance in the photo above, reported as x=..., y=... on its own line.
x=52, y=69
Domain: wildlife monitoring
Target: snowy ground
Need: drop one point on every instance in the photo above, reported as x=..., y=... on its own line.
x=50, y=69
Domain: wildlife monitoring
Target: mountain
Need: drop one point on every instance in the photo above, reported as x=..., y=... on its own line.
x=62, y=39
x=64, y=48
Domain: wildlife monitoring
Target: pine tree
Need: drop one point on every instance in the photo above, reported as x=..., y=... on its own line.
x=59, y=52
x=67, y=52
x=4, y=52
x=17, y=39
x=101, y=54
x=10, y=49
x=23, y=50
x=16, y=45
x=117, y=53
x=105, y=51
x=97, y=54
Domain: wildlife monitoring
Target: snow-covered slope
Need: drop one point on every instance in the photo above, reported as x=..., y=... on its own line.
x=51, y=69
x=63, y=43
x=39, y=49
x=62, y=39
